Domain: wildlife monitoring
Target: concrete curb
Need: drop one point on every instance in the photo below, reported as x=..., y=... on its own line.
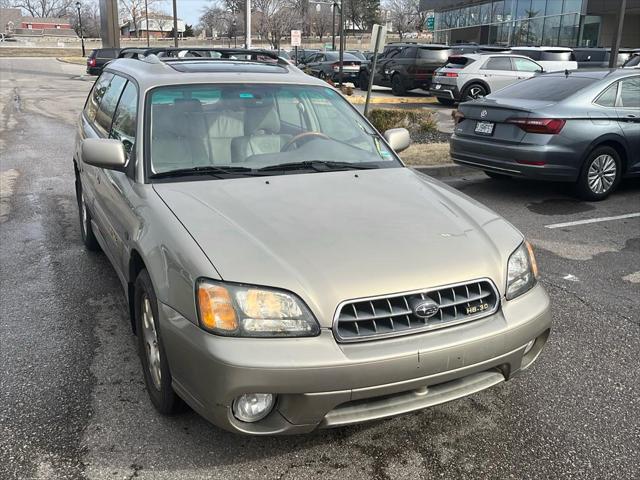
x=72, y=62
x=445, y=170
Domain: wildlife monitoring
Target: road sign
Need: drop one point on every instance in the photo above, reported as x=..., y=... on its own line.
x=296, y=38
x=374, y=35
x=431, y=23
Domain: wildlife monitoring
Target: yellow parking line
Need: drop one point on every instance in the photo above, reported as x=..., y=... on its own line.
x=391, y=100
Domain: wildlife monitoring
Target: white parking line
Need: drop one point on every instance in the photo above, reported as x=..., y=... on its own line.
x=592, y=220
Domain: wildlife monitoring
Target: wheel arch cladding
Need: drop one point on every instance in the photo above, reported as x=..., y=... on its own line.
x=475, y=81
x=612, y=141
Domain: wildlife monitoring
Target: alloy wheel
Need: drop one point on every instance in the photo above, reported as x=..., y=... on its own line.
x=152, y=348
x=602, y=174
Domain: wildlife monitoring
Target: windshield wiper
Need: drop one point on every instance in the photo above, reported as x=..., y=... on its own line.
x=317, y=165
x=208, y=170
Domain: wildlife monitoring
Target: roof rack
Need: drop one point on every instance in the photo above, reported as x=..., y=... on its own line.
x=198, y=53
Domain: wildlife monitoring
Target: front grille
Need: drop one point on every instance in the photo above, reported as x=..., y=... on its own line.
x=391, y=315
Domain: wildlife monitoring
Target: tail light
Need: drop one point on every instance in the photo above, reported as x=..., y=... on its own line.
x=451, y=74
x=91, y=62
x=539, y=125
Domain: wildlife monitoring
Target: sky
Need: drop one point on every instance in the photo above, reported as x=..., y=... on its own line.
x=188, y=10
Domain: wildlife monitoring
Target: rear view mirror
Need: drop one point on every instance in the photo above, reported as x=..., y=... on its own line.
x=104, y=153
x=398, y=139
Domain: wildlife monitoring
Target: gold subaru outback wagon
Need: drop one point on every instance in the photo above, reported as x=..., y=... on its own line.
x=284, y=270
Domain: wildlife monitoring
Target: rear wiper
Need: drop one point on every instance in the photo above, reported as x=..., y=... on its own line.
x=208, y=170
x=317, y=165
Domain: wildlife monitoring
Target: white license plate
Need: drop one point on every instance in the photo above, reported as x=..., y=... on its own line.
x=485, y=128
x=437, y=87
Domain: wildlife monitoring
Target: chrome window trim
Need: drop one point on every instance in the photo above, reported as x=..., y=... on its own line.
x=426, y=328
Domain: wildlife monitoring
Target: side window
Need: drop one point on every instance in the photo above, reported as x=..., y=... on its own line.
x=104, y=115
x=498, y=63
x=608, y=97
x=532, y=54
x=95, y=97
x=410, y=52
x=124, y=120
x=630, y=93
x=524, y=65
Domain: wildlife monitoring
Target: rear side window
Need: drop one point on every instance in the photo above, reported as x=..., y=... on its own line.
x=550, y=88
x=434, y=54
x=608, y=97
x=95, y=97
x=524, y=65
x=409, y=52
x=630, y=93
x=104, y=115
x=498, y=63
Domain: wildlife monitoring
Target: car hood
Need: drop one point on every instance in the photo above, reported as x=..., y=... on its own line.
x=335, y=236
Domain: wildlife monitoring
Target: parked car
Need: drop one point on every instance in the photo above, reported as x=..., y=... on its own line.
x=304, y=54
x=552, y=59
x=599, y=57
x=326, y=66
x=464, y=48
x=99, y=57
x=633, y=62
x=406, y=66
x=582, y=127
x=284, y=271
x=466, y=77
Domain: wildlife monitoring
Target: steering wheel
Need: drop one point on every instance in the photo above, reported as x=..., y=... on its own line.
x=308, y=135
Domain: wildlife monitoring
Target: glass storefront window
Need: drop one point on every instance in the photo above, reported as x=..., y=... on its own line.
x=571, y=6
x=485, y=13
x=554, y=7
x=509, y=10
x=569, y=29
x=538, y=8
x=590, y=31
x=474, y=15
x=523, y=10
x=535, y=31
x=551, y=31
x=520, y=33
x=498, y=9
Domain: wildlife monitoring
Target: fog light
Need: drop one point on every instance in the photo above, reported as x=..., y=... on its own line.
x=252, y=407
x=529, y=346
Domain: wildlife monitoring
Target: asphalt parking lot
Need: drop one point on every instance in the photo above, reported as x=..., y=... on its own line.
x=71, y=391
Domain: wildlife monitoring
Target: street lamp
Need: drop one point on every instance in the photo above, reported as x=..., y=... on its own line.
x=78, y=5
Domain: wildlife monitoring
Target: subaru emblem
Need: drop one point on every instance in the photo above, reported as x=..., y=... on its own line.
x=425, y=308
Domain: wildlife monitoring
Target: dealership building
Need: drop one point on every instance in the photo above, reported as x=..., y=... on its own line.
x=569, y=23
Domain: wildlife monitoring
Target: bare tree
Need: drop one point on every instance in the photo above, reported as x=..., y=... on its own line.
x=274, y=19
x=163, y=20
x=90, y=15
x=45, y=8
x=321, y=21
x=134, y=10
x=403, y=15
x=222, y=17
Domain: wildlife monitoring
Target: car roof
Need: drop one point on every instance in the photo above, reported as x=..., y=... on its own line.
x=596, y=73
x=152, y=71
x=544, y=49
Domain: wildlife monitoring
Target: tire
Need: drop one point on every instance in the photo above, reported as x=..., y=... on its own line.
x=473, y=91
x=398, y=88
x=449, y=102
x=600, y=175
x=363, y=81
x=496, y=175
x=84, y=215
x=157, y=377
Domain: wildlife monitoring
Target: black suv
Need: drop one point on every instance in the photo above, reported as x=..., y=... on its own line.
x=99, y=57
x=405, y=66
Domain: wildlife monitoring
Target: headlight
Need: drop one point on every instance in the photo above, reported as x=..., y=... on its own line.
x=247, y=311
x=522, y=271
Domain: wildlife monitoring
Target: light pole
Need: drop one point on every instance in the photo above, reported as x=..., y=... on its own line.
x=80, y=27
x=175, y=24
x=146, y=19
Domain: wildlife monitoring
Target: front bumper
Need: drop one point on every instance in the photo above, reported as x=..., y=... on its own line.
x=321, y=383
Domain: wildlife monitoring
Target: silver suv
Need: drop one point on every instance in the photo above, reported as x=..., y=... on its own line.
x=283, y=269
x=467, y=77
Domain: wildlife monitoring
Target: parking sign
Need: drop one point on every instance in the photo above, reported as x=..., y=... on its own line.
x=296, y=38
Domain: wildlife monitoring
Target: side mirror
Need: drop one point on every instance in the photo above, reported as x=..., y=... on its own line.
x=398, y=139
x=104, y=153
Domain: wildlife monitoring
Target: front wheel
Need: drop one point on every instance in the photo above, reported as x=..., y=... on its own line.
x=155, y=367
x=600, y=174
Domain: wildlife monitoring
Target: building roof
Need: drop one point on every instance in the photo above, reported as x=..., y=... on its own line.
x=50, y=20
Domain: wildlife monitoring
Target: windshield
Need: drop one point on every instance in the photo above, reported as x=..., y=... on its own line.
x=254, y=126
